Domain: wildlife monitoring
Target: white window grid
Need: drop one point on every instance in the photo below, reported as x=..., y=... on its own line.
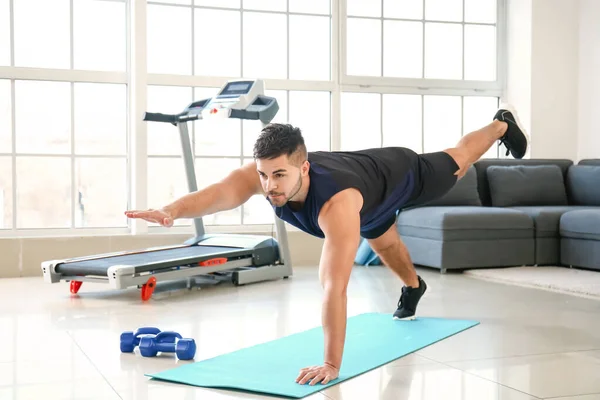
x=137, y=79
x=422, y=85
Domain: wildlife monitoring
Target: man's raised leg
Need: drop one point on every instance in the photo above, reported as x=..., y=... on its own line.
x=505, y=127
x=438, y=178
x=474, y=145
x=394, y=254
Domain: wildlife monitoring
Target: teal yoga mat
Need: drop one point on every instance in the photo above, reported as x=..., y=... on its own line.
x=271, y=368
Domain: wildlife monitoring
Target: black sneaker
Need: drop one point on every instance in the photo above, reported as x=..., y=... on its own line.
x=407, y=305
x=515, y=139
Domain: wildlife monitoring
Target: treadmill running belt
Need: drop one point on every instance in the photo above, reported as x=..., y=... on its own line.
x=148, y=261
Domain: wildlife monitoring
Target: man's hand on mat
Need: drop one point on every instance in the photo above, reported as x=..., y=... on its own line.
x=157, y=216
x=324, y=374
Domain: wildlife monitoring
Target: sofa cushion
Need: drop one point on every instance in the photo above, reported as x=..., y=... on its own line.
x=521, y=185
x=583, y=184
x=464, y=192
x=465, y=223
x=482, y=165
x=581, y=224
x=546, y=219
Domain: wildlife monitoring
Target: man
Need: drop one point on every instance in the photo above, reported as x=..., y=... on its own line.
x=341, y=196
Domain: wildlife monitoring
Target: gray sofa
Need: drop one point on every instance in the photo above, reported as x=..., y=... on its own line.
x=510, y=213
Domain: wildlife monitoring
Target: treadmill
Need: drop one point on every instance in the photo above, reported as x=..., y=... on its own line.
x=245, y=258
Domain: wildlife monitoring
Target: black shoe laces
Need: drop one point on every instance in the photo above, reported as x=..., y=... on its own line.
x=503, y=139
x=403, y=296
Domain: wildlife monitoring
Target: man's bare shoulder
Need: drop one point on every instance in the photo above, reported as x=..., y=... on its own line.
x=247, y=176
x=343, y=204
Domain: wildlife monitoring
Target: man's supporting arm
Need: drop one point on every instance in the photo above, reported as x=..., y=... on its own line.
x=340, y=221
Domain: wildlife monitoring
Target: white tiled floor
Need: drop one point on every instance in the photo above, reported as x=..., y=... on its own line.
x=530, y=343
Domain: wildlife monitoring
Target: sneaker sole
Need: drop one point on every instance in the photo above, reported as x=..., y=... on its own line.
x=513, y=111
x=406, y=318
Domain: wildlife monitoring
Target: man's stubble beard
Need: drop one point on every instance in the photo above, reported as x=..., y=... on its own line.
x=295, y=191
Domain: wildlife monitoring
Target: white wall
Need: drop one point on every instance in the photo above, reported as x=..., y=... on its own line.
x=543, y=69
x=555, y=67
x=589, y=79
x=518, y=91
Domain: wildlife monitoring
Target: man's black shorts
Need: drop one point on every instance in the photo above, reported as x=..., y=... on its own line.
x=434, y=177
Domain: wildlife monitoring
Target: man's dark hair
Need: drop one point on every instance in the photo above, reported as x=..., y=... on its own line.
x=279, y=139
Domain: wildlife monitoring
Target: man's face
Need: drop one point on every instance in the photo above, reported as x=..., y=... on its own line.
x=280, y=179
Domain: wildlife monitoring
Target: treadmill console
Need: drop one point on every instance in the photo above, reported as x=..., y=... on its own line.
x=194, y=110
x=234, y=95
x=263, y=108
x=235, y=89
x=242, y=99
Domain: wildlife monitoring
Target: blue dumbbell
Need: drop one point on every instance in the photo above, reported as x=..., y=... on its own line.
x=168, y=342
x=131, y=339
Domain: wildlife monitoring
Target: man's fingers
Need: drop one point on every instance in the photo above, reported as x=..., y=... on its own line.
x=315, y=375
x=303, y=370
x=317, y=379
x=307, y=376
x=150, y=216
x=136, y=214
x=302, y=373
x=145, y=216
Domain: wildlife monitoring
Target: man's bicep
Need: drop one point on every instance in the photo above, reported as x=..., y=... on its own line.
x=337, y=259
x=341, y=226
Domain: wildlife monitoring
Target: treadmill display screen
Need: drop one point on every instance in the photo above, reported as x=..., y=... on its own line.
x=237, y=88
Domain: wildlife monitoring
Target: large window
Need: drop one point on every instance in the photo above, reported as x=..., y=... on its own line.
x=76, y=76
x=70, y=148
x=63, y=115
x=264, y=39
x=422, y=39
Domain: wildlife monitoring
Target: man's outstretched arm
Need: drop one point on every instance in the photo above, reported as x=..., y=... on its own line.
x=229, y=193
x=340, y=221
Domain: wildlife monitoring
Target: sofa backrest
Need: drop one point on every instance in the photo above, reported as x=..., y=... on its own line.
x=583, y=184
x=464, y=193
x=482, y=165
x=589, y=161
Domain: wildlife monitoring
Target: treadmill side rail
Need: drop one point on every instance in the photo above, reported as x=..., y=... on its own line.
x=265, y=249
x=229, y=240
x=102, y=256
x=123, y=276
x=48, y=269
x=117, y=274
x=281, y=255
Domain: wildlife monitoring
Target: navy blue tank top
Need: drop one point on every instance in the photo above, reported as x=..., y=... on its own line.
x=384, y=176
